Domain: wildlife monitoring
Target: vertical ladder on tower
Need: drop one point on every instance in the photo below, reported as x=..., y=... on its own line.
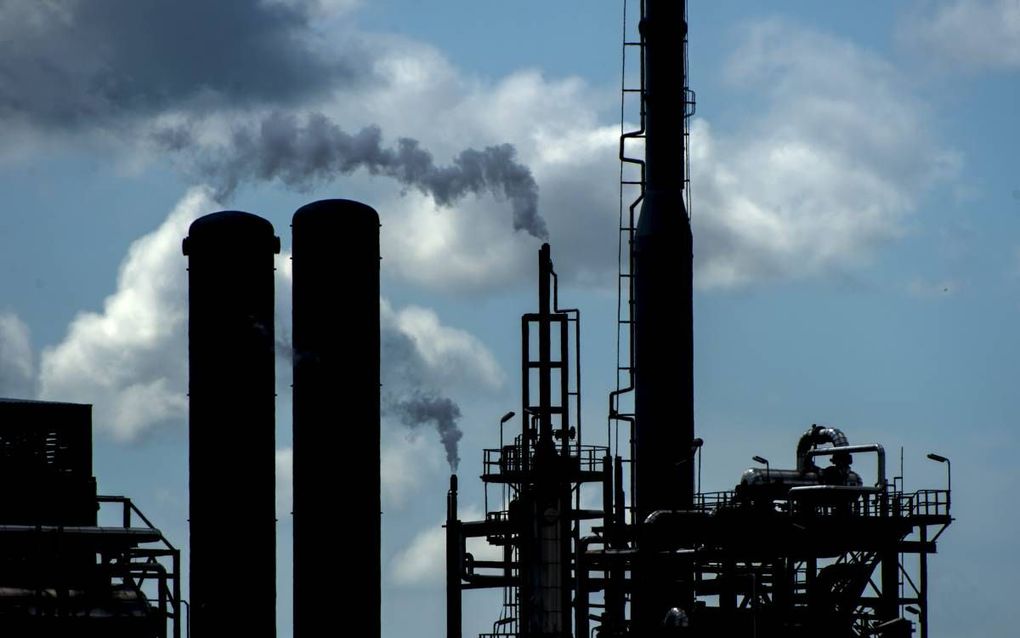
x=632, y=190
x=690, y=106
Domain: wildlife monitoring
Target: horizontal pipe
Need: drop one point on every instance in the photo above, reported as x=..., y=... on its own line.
x=807, y=490
x=849, y=449
x=134, y=534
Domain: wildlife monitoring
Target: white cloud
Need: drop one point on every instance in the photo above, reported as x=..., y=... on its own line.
x=839, y=157
x=816, y=183
x=448, y=356
x=406, y=459
x=969, y=34
x=555, y=127
x=471, y=245
x=129, y=360
x=827, y=173
x=423, y=561
x=318, y=9
x=17, y=378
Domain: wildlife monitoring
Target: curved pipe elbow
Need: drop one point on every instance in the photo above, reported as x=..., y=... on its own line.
x=815, y=435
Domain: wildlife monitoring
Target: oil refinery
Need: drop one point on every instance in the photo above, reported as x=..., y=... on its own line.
x=815, y=550
x=611, y=539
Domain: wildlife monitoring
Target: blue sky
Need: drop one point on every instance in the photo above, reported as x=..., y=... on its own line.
x=856, y=204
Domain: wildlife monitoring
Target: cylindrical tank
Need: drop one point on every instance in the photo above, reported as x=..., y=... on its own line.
x=336, y=412
x=232, y=448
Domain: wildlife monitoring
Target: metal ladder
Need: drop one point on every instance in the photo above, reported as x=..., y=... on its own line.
x=632, y=192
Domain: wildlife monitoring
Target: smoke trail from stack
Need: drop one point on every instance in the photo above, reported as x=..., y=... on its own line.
x=421, y=408
x=409, y=396
x=303, y=155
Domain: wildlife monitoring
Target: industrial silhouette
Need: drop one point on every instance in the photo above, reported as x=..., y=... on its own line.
x=336, y=328
x=232, y=423
x=61, y=572
x=232, y=388
x=810, y=551
x=815, y=550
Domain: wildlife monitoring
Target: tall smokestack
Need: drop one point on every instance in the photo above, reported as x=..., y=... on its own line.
x=336, y=411
x=663, y=266
x=232, y=450
x=663, y=312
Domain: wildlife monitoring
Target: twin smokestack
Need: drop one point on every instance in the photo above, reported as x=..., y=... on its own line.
x=232, y=383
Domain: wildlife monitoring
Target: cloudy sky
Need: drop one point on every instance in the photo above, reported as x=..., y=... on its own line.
x=857, y=245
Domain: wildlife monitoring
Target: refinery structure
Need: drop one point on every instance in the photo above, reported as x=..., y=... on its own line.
x=814, y=549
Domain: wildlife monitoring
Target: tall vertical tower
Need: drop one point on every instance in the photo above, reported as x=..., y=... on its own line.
x=336, y=411
x=232, y=422
x=663, y=329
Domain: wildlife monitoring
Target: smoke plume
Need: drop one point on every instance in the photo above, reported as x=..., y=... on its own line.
x=301, y=156
x=421, y=408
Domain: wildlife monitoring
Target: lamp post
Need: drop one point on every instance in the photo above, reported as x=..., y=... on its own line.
x=949, y=475
x=506, y=417
x=923, y=576
x=922, y=616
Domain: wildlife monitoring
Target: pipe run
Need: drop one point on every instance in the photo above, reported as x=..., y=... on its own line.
x=881, y=483
x=817, y=434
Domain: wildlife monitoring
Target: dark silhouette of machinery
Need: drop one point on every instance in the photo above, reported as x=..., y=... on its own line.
x=62, y=573
x=816, y=550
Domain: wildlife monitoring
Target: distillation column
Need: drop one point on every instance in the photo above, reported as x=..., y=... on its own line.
x=663, y=305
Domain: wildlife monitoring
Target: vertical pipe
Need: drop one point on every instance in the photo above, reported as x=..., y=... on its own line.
x=544, y=342
x=175, y=604
x=607, y=498
x=564, y=373
x=453, y=564
x=889, y=601
x=613, y=617
x=615, y=595
x=232, y=449
x=581, y=608
x=923, y=584
x=619, y=498
x=336, y=408
x=545, y=577
x=527, y=417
